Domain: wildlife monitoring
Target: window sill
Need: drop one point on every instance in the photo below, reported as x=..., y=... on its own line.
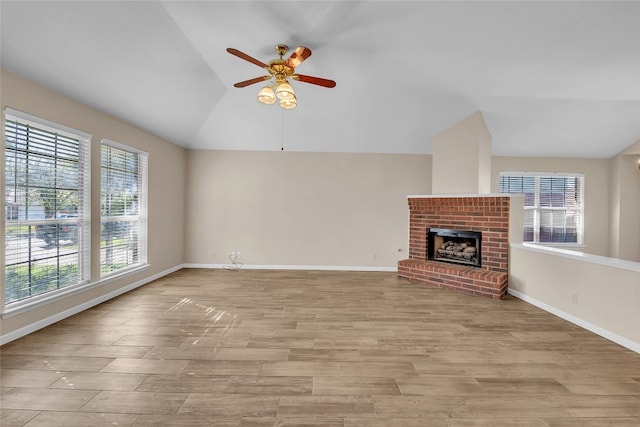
x=19, y=307
x=567, y=246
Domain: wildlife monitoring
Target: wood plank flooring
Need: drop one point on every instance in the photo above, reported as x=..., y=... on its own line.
x=293, y=348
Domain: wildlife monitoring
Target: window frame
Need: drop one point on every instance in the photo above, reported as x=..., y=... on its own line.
x=82, y=219
x=142, y=208
x=537, y=209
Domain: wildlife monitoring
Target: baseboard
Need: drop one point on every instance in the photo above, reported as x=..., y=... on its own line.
x=19, y=333
x=625, y=342
x=291, y=267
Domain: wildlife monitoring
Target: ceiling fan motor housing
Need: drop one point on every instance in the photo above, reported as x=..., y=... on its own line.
x=279, y=69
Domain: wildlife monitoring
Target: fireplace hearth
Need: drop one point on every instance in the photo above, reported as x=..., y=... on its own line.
x=455, y=246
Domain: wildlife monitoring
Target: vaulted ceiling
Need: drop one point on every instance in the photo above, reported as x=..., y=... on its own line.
x=557, y=79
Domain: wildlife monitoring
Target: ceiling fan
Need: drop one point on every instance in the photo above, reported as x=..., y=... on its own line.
x=279, y=71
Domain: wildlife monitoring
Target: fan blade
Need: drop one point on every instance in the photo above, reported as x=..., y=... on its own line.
x=298, y=56
x=246, y=57
x=252, y=81
x=314, y=80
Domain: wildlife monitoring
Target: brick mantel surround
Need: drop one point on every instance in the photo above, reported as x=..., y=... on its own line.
x=488, y=214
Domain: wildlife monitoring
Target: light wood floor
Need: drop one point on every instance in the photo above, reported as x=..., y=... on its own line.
x=267, y=348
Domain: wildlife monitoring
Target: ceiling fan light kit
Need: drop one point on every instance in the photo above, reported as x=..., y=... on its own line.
x=284, y=91
x=279, y=71
x=267, y=95
x=288, y=104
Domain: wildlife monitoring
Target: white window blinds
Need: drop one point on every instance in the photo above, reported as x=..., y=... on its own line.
x=553, y=203
x=47, y=207
x=123, y=208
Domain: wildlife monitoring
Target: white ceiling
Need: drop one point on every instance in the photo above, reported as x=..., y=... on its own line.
x=554, y=78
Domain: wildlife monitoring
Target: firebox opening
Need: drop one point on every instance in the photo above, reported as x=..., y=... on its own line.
x=455, y=246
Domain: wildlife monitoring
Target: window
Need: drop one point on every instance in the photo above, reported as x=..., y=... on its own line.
x=123, y=208
x=47, y=220
x=553, y=203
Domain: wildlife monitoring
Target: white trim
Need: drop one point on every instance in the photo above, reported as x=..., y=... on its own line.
x=84, y=215
x=536, y=212
x=581, y=256
x=563, y=246
x=119, y=274
x=52, y=126
x=142, y=179
x=625, y=342
x=123, y=147
x=19, y=333
x=291, y=267
x=537, y=174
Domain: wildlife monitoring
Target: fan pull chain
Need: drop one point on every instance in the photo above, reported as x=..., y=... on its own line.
x=282, y=133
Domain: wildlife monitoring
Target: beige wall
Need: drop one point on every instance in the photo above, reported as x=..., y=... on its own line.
x=166, y=190
x=597, y=188
x=599, y=294
x=625, y=207
x=330, y=209
x=301, y=209
x=462, y=158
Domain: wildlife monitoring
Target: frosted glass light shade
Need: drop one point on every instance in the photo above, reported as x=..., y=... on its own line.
x=288, y=104
x=285, y=91
x=266, y=95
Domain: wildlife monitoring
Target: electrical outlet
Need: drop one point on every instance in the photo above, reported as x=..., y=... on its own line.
x=574, y=298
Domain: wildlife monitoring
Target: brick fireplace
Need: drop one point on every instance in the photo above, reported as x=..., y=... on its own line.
x=488, y=215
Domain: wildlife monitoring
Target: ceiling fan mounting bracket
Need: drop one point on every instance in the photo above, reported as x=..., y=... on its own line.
x=282, y=49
